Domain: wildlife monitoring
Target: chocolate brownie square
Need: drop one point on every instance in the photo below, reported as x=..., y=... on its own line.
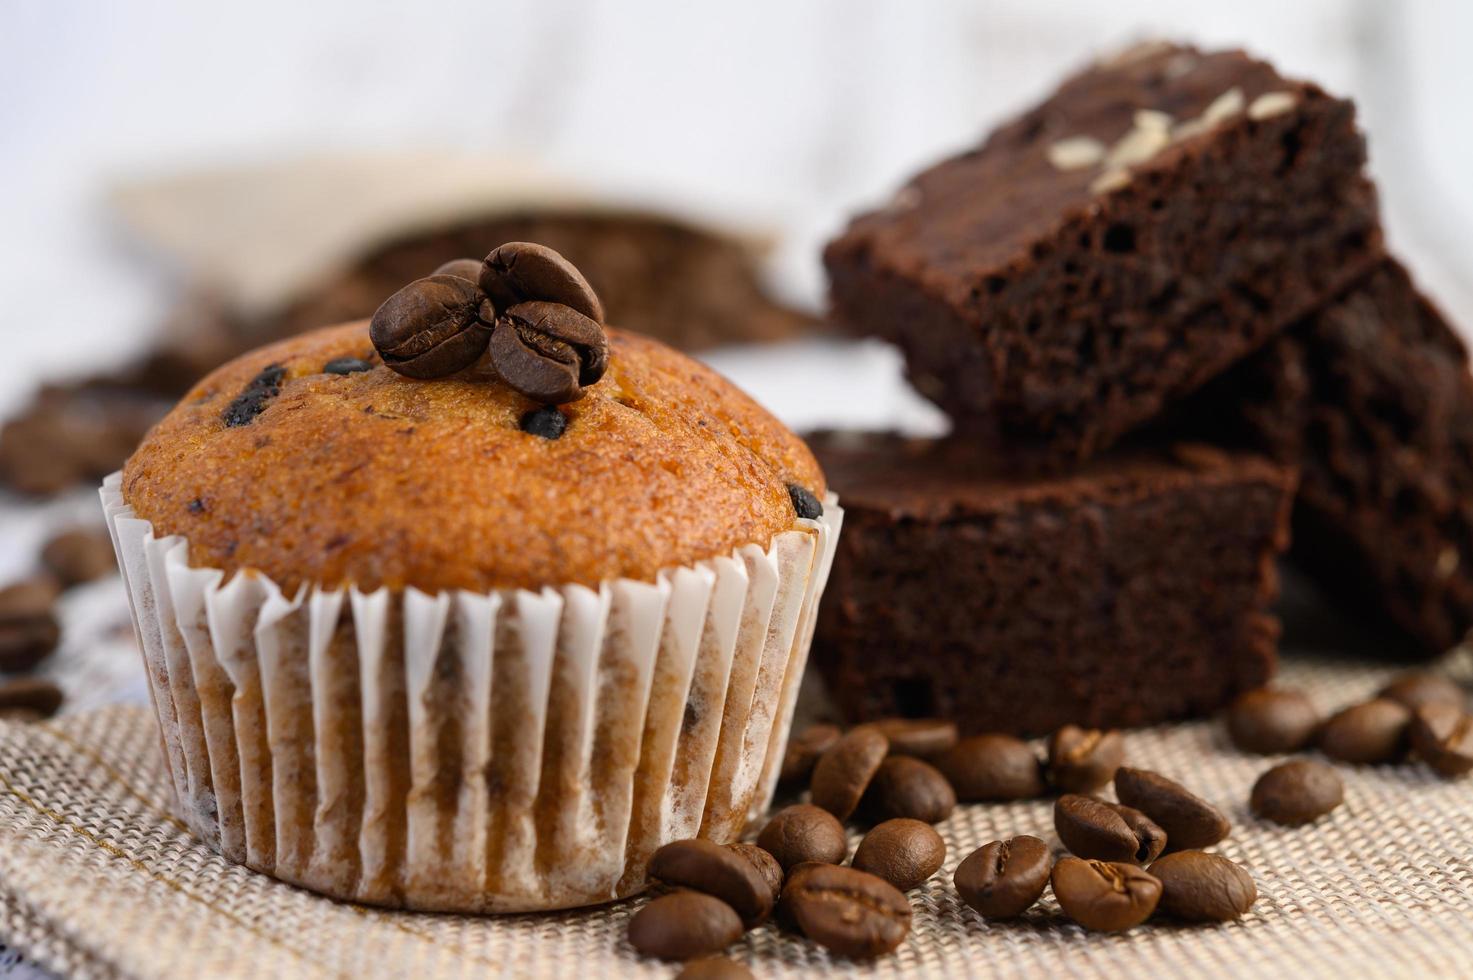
x=1372, y=399
x=1135, y=589
x=1159, y=217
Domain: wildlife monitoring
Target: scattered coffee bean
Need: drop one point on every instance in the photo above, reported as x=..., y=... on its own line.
x=1297, y=792
x=1105, y=896
x=1269, y=721
x=547, y=422
x=28, y=627
x=714, y=968
x=804, y=750
x=433, y=328
x=1442, y=737
x=802, y=833
x=1081, y=760
x=924, y=738
x=467, y=269
x=347, y=365
x=520, y=272
x=30, y=698
x=1369, y=733
x=843, y=773
x=848, y=912
x=1003, y=879
x=708, y=867
x=805, y=503
x=904, y=852
x=766, y=865
x=684, y=925
x=992, y=767
x=1416, y=688
x=80, y=555
x=1094, y=828
x=1190, y=822
x=1201, y=887
x=904, y=786
x=252, y=402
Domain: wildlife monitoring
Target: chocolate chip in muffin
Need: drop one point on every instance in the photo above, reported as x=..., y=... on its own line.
x=547, y=422
x=346, y=365
x=805, y=503
x=252, y=402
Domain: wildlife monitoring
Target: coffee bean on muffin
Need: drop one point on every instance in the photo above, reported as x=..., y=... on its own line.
x=924, y=738
x=904, y=852
x=29, y=698
x=1297, y=792
x=1094, y=828
x=804, y=749
x=805, y=503
x=1201, y=887
x=848, y=912
x=433, y=327
x=520, y=272
x=1190, y=822
x=1268, y=721
x=547, y=422
x=802, y=833
x=992, y=767
x=1442, y=737
x=714, y=968
x=904, y=786
x=705, y=866
x=1081, y=760
x=1104, y=896
x=467, y=269
x=765, y=863
x=559, y=333
x=843, y=773
x=253, y=400
x=1415, y=688
x=1003, y=879
x=1367, y=734
x=684, y=925
x=29, y=630
x=80, y=555
x=347, y=365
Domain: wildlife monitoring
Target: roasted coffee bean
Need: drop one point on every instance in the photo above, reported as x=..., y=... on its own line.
x=1369, y=733
x=467, y=269
x=924, y=738
x=908, y=787
x=904, y=852
x=1093, y=828
x=684, y=925
x=843, y=773
x=252, y=402
x=30, y=697
x=1269, y=721
x=433, y=328
x=547, y=422
x=706, y=866
x=1297, y=792
x=714, y=968
x=1442, y=737
x=1104, y=896
x=80, y=555
x=1190, y=822
x=802, y=833
x=1003, y=879
x=992, y=767
x=848, y=912
x=542, y=369
x=1416, y=688
x=28, y=627
x=766, y=865
x=804, y=750
x=1081, y=760
x=805, y=503
x=520, y=272
x=553, y=329
x=1201, y=887
x=347, y=365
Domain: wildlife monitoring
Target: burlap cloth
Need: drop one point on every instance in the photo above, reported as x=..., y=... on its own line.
x=97, y=880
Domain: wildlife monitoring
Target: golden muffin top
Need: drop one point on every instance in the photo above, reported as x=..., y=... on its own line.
x=372, y=479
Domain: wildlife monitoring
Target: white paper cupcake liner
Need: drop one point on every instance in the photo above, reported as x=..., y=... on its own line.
x=470, y=752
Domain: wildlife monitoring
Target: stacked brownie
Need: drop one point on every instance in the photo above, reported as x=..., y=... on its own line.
x=1176, y=245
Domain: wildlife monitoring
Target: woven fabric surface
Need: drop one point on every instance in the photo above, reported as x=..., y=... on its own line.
x=97, y=879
